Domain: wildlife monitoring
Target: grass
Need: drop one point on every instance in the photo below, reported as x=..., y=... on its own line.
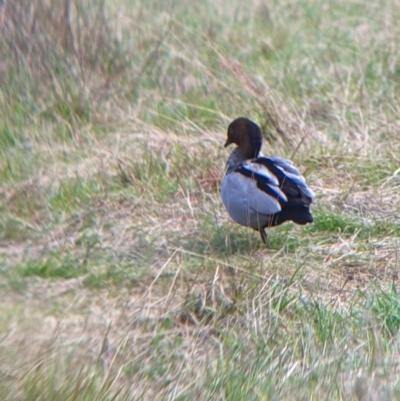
x=121, y=276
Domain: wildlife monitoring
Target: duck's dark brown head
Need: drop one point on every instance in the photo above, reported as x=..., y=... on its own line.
x=246, y=135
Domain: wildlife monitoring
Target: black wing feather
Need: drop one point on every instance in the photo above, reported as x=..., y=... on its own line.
x=264, y=183
x=288, y=186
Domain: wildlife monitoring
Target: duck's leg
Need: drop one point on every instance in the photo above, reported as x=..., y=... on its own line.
x=264, y=235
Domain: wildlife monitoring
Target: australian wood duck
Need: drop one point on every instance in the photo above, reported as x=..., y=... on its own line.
x=261, y=192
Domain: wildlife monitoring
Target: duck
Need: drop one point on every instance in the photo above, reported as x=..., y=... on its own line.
x=261, y=192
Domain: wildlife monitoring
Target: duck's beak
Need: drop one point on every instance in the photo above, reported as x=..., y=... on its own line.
x=227, y=143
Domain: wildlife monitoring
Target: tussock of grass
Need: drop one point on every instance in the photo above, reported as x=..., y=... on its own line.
x=121, y=275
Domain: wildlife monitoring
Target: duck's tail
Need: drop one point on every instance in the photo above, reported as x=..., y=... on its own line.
x=299, y=214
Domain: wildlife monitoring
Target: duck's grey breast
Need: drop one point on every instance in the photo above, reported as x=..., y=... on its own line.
x=245, y=203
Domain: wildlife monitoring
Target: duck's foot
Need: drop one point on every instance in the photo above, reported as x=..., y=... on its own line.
x=264, y=236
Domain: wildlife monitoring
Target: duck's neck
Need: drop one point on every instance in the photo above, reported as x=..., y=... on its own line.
x=251, y=146
x=234, y=159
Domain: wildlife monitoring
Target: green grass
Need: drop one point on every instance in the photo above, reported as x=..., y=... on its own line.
x=54, y=266
x=121, y=275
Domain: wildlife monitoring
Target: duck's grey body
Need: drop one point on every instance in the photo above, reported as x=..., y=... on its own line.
x=243, y=200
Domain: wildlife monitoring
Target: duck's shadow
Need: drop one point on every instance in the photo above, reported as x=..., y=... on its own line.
x=226, y=242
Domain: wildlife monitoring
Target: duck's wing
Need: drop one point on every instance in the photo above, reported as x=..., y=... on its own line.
x=265, y=187
x=290, y=182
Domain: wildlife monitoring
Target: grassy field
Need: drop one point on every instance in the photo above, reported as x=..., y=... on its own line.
x=121, y=275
